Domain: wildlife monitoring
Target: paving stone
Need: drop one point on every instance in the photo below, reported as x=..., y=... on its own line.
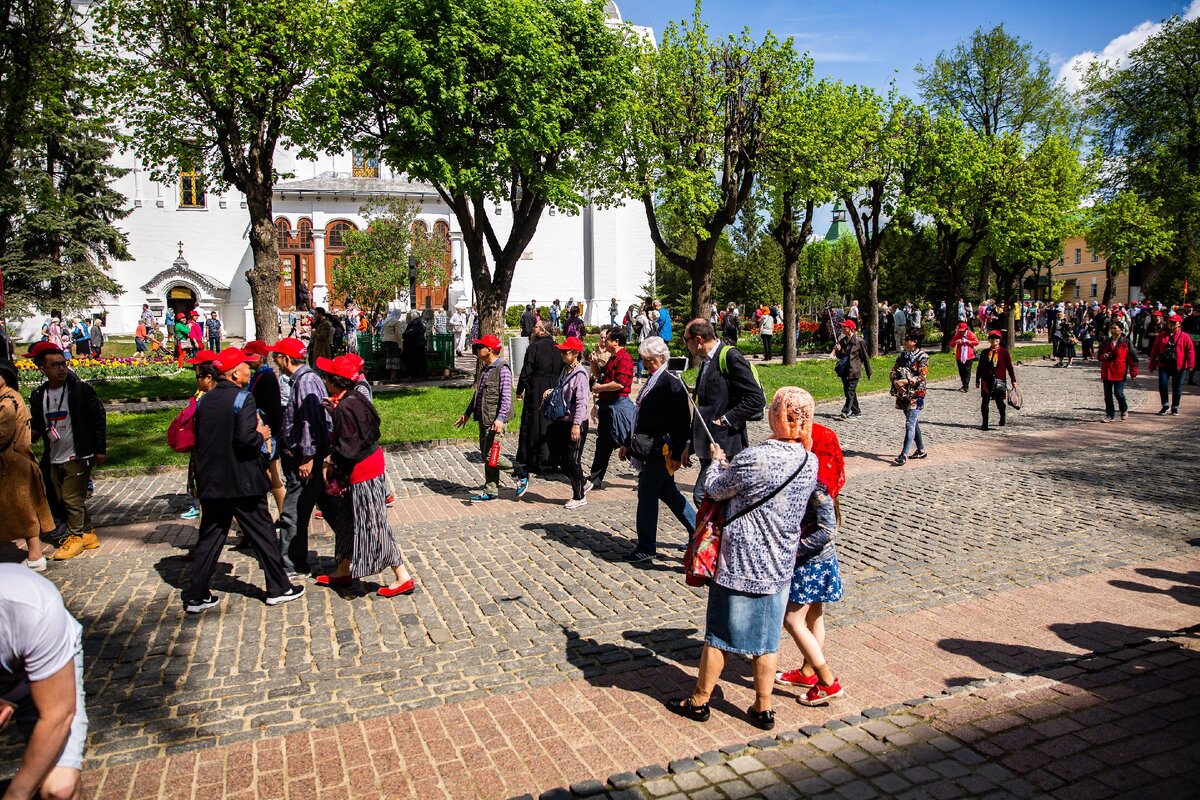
x=683, y=765
x=744, y=764
x=623, y=780
x=588, y=788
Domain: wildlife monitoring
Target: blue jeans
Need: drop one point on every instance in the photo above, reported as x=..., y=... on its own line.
x=655, y=484
x=1114, y=390
x=912, y=430
x=1170, y=383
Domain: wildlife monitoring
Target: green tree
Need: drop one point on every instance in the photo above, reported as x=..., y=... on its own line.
x=214, y=86
x=1146, y=113
x=374, y=266
x=1127, y=230
x=502, y=105
x=696, y=140
x=746, y=267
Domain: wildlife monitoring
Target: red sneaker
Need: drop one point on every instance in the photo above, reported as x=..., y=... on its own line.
x=318, y=515
x=820, y=695
x=408, y=587
x=794, y=677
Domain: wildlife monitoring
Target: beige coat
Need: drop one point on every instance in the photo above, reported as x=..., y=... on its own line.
x=22, y=495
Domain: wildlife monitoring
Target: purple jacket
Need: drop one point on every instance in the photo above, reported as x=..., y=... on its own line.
x=576, y=390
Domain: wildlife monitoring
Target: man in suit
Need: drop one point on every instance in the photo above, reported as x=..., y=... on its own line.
x=231, y=481
x=726, y=399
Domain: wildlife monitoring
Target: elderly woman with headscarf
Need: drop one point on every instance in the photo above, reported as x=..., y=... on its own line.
x=767, y=488
x=393, y=334
x=662, y=426
x=415, y=360
x=817, y=579
x=22, y=493
x=363, y=541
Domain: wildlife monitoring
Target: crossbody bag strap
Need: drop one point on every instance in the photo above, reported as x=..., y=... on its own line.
x=770, y=495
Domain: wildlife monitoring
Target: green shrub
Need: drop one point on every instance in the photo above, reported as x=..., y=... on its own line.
x=512, y=316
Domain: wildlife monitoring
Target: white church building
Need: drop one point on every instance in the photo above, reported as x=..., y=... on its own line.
x=191, y=249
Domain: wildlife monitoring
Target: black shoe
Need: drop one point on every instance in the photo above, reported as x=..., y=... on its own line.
x=292, y=593
x=637, y=556
x=1162, y=412
x=196, y=606
x=764, y=720
x=983, y=427
x=919, y=454
x=1174, y=412
x=900, y=459
x=684, y=708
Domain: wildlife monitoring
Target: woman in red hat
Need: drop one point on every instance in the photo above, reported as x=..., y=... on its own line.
x=963, y=345
x=363, y=541
x=994, y=364
x=571, y=429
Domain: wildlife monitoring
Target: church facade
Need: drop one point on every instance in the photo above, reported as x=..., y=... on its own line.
x=191, y=248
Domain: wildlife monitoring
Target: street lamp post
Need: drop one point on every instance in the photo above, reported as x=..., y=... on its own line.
x=412, y=283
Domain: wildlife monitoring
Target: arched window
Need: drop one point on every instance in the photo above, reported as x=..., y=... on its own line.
x=283, y=233
x=304, y=234
x=420, y=227
x=335, y=234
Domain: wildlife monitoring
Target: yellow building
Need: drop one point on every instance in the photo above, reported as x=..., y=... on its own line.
x=1082, y=271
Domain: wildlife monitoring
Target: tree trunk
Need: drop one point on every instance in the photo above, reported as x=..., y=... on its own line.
x=792, y=242
x=700, y=270
x=872, y=327
x=263, y=277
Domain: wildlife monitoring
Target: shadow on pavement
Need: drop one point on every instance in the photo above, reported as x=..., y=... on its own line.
x=607, y=545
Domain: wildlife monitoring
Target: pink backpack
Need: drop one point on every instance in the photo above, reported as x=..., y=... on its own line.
x=181, y=433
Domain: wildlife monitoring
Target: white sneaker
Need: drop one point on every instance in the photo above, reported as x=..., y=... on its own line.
x=38, y=565
x=573, y=504
x=587, y=487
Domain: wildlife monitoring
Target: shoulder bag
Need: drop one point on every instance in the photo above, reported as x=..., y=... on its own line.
x=700, y=560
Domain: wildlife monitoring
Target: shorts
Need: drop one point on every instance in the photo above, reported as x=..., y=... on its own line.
x=744, y=623
x=72, y=753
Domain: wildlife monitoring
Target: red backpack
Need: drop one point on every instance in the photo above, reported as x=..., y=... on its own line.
x=181, y=433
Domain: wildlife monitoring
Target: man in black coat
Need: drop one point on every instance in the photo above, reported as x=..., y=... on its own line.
x=529, y=320
x=231, y=481
x=727, y=396
x=542, y=368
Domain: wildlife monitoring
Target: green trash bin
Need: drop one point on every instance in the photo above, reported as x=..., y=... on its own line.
x=441, y=351
x=370, y=347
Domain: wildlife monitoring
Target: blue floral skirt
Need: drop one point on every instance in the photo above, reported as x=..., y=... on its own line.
x=817, y=580
x=744, y=623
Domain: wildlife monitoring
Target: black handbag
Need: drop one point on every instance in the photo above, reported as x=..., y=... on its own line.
x=642, y=446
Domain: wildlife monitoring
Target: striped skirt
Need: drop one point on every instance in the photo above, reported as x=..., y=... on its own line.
x=362, y=533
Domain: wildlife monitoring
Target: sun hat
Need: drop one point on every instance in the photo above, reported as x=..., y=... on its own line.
x=290, y=347
x=341, y=366
x=201, y=357
x=572, y=343
x=229, y=358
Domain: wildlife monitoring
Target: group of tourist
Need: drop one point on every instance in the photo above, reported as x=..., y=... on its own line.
x=77, y=338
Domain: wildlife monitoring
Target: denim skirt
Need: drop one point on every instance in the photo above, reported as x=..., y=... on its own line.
x=744, y=623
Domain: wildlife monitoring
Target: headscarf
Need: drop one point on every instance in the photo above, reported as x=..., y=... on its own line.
x=831, y=465
x=791, y=416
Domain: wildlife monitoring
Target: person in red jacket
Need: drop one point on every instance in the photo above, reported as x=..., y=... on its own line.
x=963, y=345
x=1173, y=354
x=994, y=364
x=1118, y=358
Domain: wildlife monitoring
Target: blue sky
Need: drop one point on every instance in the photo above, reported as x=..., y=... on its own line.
x=870, y=42
x=865, y=42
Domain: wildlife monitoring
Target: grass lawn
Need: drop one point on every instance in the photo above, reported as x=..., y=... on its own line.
x=424, y=413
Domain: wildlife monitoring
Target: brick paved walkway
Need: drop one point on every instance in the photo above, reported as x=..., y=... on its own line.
x=532, y=658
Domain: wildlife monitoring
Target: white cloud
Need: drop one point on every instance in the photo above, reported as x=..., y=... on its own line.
x=1072, y=70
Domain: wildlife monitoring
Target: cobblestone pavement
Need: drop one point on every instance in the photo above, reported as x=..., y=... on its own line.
x=531, y=657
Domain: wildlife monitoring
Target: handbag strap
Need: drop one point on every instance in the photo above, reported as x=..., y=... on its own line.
x=771, y=494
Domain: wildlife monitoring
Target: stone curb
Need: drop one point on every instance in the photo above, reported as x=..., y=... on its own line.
x=625, y=784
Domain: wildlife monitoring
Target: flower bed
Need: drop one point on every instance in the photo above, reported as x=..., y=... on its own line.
x=104, y=369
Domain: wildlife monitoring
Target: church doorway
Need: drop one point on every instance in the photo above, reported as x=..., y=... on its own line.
x=181, y=300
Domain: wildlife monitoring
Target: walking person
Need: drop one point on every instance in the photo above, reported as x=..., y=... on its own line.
x=304, y=442
x=1173, y=354
x=213, y=331
x=458, y=328
x=67, y=415
x=231, y=481
x=363, y=540
x=963, y=344
x=995, y=365
x=614, y=409
x=97, y=339
x=1118, y=359
x=321, y=338
x=909, y=378
x=817, y=579
x=851, y=353
x=767, y=488
x=571, y=429
x=1062, y=332
x=491, y=407
x=727, y=397
x=613, y=310
x=22, y=493
x=264, y=385
x=661, y=430
x=41, y=660
x=536, y=452
x=766, y=333
x=899, y=326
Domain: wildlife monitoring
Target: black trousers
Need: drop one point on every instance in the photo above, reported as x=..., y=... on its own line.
x=254, y=518
x=850, y=389
x=604, y=445
x=998, y=399
x=572, y=455
x=964, y=373
x=766, y=340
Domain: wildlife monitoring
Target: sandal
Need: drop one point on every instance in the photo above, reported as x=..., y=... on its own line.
x=764, y=720
x=684, y=708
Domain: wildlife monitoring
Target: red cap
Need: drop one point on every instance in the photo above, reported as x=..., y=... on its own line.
x=490, y=342
x=201, y=357
x=1174, y=318
x=229, y=358
x=962, y=326
x=358, y=361
x=41, y=348
x=342, y=366
x=290, y=347
x=572, y=343
x=256, y=347
x=1157, y=314
x=180, y=316
x=997, y=334
x=850, y=324
x=194, y=313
